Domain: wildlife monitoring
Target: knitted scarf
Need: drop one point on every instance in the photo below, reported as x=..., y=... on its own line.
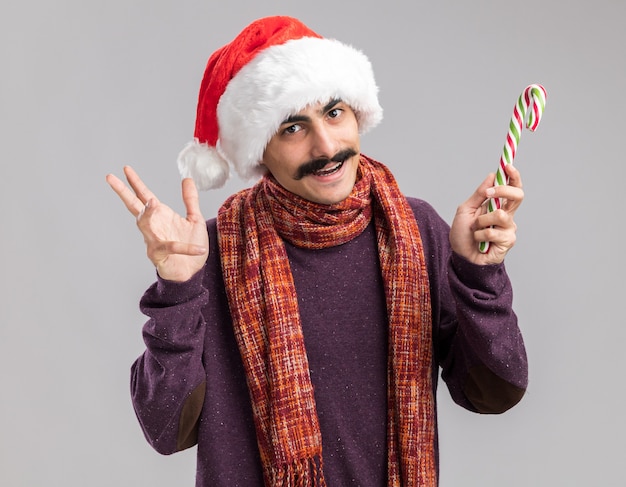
x=262, y=298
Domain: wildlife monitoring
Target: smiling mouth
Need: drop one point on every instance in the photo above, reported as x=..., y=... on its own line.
x=328, y=171
x=324, y=166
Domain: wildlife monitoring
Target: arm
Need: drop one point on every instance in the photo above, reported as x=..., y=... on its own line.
x=168, y=380
x=487, y=345
x=477, y=340
x=483, y=360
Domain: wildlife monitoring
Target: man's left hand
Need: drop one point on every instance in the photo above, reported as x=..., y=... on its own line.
x=472, y=223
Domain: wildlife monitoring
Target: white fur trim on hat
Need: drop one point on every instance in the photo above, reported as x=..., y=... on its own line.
x=282, y=80
x=204, y=165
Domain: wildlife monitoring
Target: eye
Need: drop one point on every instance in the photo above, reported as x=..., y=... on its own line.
x=335, y=112
x=292, y=129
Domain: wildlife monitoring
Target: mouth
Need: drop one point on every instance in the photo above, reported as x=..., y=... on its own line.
x=325, y=167
x=328, y=170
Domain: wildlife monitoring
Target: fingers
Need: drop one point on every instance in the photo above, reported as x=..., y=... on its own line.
x=168, y=236
x=140, y=189
x=473, y=222
x=511, y=194
x=499, y=230
x=496, y=219
x=513, y=175
x=160, y=250
x=130, y=200
x=135, y=199
x=481, y=194
x=502, y=237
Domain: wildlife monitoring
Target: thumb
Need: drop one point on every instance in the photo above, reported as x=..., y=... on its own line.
x=482, y=192
x=191, y=200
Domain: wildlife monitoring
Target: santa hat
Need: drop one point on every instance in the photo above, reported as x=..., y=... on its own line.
x=274, y=68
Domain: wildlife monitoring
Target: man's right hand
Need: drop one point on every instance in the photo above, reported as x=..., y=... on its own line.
x=177, y=246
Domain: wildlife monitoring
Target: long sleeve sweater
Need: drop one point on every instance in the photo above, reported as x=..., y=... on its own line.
x=189, y=387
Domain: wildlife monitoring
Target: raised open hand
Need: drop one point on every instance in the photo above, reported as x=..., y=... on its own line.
x=178, y=246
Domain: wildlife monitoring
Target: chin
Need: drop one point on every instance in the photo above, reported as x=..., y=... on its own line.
x=331, y=197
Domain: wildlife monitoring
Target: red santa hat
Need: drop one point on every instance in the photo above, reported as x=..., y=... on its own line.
x=274, y=68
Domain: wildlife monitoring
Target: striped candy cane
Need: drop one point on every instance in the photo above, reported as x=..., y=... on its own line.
x=531, y=102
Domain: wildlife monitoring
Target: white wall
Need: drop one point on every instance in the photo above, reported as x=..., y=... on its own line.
x=86, y=87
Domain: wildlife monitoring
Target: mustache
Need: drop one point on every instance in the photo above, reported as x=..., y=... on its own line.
x=319, y=163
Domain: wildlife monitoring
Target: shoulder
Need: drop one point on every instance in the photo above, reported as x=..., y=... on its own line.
x=424, y=213
x=434, y=231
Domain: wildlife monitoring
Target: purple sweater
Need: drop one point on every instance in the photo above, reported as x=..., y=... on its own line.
x=189, y=387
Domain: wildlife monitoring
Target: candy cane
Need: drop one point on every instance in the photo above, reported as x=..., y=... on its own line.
x=532, y=101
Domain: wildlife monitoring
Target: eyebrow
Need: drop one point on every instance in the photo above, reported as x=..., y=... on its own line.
x=305, y=118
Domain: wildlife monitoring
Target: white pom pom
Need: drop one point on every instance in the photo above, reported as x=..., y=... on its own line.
x=204, y=165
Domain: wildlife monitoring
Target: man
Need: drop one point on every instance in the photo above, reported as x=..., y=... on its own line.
x=296, y=338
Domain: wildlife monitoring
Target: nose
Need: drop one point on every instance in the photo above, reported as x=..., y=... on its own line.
x=324, y=143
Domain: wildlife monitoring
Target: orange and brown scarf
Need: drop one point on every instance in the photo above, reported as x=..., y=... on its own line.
x=262, y=298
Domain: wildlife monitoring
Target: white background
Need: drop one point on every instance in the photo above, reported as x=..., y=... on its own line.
x=86, y=87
